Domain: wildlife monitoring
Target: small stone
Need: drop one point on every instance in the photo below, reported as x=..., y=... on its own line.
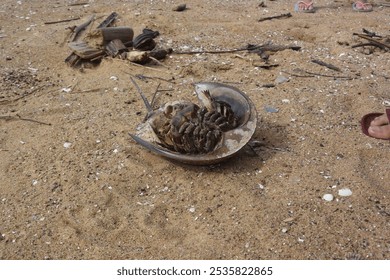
x=180, y=8
x=34, y=182
x=327, y=197
x=345, y=192
x=192, y=209
x=284, y=230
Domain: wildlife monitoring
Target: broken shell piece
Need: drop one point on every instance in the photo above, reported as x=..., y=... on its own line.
x=138, y=57
x=345, y=192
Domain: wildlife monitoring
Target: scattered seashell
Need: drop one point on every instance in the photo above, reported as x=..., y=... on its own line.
x=66, y=89
x=281, y=80
x=271, y=109
x=327, y=197
x=67, y=145
x=345, y=192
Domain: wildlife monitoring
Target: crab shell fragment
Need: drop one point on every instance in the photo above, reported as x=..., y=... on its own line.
x=232, y=141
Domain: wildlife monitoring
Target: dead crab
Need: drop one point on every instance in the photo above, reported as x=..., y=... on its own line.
x=207, y=134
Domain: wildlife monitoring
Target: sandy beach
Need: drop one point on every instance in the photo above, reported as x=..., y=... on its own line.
x=74, y=185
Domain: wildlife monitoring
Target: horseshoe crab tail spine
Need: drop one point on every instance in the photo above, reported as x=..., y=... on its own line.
x=146, y=102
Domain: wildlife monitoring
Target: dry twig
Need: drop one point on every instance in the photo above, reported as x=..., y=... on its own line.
x=287, y=15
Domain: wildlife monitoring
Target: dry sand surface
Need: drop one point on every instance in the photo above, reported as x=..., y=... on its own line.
x=102, y=196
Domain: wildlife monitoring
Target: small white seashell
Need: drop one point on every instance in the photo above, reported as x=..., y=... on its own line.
x=327, y=197
x=67, y=145
x=67, y=90
x=345, y=192
x=192, y=209
x=114, y=78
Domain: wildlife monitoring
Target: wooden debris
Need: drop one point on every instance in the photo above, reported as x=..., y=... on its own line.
x=108, y=21
x=78, y=3
x=115, y=48
x=382, y=42
x=259, y=49
x=287, y=15
x=330, y=66
x=264, y=65
x=81, y=27
x=84, y=51
x=309, y=74
x=18, y=117
x=61, y=21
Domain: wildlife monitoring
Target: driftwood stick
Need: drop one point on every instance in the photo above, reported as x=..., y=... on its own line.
x=327, y=65
x=81, y=27
x=18, y=117
x=287, y=15
x=312, y=75
x=211, y=52
x=144, y=77
x=378, y=43
x=364, y=45
x=79, y=3
x=62, y=20
x=250, y=48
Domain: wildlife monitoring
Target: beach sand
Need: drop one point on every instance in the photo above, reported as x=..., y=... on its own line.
x=74, y=185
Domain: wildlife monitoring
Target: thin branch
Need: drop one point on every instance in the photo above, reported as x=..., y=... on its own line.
x=81, y=27
x=144, y=77
x=275, y=17
x=327, y=65
x=18, y=117
x=62, y=20
x=312, y=75
x=154, y=95
x=146, y=102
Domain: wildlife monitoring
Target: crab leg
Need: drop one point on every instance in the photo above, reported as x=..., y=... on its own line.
x=146, y=102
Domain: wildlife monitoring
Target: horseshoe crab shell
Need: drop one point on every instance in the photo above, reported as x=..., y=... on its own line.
x=233, y=140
